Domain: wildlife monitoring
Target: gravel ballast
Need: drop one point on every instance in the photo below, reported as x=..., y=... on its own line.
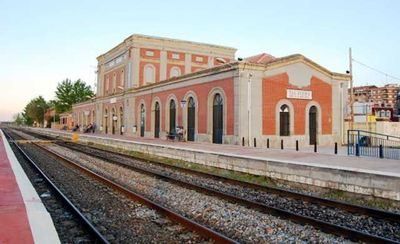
x=375, y=226
x=118, y=218
x=233, y=220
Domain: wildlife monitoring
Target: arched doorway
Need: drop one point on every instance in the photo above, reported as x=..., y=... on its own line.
x=284, y=121
x=113, y=119
x=121, y=120
x=142, y=120
x=106, y=120
x=191, y=118
x=218, y=109
x=157, y=120
x=172, y=116
x=312, y=125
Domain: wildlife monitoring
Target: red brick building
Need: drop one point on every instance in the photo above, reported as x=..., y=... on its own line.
x=148, y=85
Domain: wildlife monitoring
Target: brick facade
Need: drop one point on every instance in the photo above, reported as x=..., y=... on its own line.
x=204, y=74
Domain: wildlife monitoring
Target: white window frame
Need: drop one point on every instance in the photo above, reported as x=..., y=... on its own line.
x=146, y=77
x=175, y=70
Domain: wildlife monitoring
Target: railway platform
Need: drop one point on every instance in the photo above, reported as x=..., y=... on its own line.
x=369, y=176
x=23, y=217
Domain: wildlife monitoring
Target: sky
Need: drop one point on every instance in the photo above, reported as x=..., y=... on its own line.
x=44, y=42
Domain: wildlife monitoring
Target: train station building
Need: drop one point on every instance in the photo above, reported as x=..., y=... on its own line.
x=147, y=86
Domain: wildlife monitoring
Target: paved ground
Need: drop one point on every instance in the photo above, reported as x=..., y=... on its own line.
x=324, y=158
x=23, y=217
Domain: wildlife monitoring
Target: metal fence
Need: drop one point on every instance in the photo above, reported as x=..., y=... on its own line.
x=365, y=143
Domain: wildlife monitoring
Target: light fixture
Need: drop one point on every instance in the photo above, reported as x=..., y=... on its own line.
x=183, y=102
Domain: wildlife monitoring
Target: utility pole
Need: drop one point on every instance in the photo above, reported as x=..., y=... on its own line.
x=351, y=90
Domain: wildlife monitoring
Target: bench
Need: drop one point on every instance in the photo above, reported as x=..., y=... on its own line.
x=173, y=135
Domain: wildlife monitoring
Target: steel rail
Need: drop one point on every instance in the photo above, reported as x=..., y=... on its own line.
x=323, y=225
x=373, y=212
x=188, y=223
x=100, y=238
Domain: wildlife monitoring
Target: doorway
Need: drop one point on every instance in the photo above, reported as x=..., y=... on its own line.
x=312, y=122
x=157, y=120
x=191, y=119
x=218, y=109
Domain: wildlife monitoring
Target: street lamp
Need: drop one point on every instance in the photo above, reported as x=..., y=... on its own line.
x=183, y=102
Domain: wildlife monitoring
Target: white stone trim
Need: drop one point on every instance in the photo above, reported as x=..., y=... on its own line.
x=167, y=103
x=210, y=100
x=178, y=71
x=319, y=119
x=145, y=77
x=153, y=116
x=188, y=63
x=163, y=65
x=185, y=113
x=291, y=116
x=139, y=116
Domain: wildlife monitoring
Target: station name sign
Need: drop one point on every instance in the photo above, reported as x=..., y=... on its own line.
x=299, y=94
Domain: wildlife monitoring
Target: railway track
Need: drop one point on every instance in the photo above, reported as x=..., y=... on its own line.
x=326, y=226
x=323, y=225
x=189, y=224
x=98, y=237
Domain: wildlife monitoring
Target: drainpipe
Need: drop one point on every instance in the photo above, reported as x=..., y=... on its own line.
x=249, y=106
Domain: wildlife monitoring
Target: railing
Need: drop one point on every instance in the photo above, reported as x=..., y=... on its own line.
x=365, y=143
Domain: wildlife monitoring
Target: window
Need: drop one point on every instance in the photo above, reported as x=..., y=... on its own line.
x=149, y=74
x=175, y=56
x=218, y=119
x=122, y=78
x=284, y=121
x=172, y=116
x=150, y=53
x=175, y=71
x=114, y=85
x=107, y=84
x=199, y=59
x=142, y=119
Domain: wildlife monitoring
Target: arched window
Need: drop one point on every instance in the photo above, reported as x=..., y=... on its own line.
x=218, y=122
x=114, y=85
x=107, y=84
x=175, y=71
x=191, y=119
x=149, y=74
x=312, y=124
x=388, y=113
x=142, y=120
x=121, y=119
x=284, y=121
x=157, y=120
x=122, y=78
x=113, y=120
x=172, y=116
x=382, y=113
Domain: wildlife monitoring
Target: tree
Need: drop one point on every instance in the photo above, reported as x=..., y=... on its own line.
x=35, y=109
x=18, y=119
x=69, y=93
x=27, y=120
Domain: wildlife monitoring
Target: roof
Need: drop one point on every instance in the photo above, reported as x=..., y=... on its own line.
x=261, y=58
x=137, y=37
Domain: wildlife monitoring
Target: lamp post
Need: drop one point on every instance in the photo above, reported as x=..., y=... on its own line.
x=183, y=103
x=249, y=106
